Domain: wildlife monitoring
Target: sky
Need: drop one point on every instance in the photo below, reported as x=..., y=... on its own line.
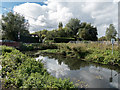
x=48, y=13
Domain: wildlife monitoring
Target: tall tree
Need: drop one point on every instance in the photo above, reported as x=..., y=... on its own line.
x=73, y=25
x=111, y=32
x=60, y=26
x=14, y=24
x=0, y=29
x=88, y=32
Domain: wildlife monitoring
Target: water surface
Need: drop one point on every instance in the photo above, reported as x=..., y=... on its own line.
x=81, y=73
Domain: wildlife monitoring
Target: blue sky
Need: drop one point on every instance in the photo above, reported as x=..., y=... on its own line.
x=10, y=5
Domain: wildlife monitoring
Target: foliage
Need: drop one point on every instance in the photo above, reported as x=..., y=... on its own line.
x=21, y=71
x=88, y=32
x=12, y=24
x=104, y=55
x=61, y=33
x=0, y=32
x=73, y=25
x=37, y=46
x=72, y=50
x=111, y=32
x=73, y=29
x=29, y=39
x=41, y=34
x=93, y=52
x=63, y=39
x=49, y=41
x=50, y=51
x=60, y=26
x=103, y=38
x=51, y=35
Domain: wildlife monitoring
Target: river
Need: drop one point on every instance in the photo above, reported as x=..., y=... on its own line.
x=81, y=73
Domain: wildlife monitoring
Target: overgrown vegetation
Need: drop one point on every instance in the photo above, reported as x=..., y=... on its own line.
x=37, y=46
x=21, y=71
x=93, y=52
x=63, y=39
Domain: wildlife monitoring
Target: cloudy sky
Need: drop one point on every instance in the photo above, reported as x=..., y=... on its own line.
x=47, y=14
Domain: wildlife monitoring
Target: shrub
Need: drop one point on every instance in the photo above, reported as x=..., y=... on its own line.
x=95, y=52
x=21, y=71
x=37, y=46
x=63, y=39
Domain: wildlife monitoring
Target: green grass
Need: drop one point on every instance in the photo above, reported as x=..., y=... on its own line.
x=92, y=52
x=50, y=50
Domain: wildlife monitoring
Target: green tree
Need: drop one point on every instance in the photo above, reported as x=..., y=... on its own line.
x=60, y=26
x=51, y=35
x=73, y=25
x=14, y=24
x=111, y=32
x=61, y=33
x=88, y=32
x=1, y=30
x=0, y=34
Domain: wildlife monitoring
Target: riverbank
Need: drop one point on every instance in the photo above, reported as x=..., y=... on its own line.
x=20, y=71
x=95, y=52
x=80, y=71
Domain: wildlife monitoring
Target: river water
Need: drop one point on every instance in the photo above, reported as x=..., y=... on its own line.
x=81, y=73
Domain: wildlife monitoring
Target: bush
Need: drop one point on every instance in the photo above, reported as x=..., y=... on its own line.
x=63, y=39
x=49, y=41
x=37, y=46
x=95, y=52
x=21, y=71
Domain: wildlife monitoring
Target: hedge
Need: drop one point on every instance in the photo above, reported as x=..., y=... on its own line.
x=63, y=39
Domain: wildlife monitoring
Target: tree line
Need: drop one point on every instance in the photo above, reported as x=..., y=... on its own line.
x=73, y=29
x=15, y=25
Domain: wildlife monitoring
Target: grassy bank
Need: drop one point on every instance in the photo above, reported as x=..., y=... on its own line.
x=94, y=52
x=21, y=71
x=37, y=46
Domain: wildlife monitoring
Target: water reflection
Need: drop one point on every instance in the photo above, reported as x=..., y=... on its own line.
x=54, y=67
x=93, y=75
x=80, y=72
x=72, y=63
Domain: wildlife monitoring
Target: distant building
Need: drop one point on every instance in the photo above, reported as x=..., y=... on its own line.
x=34, y=35
x=32, y=38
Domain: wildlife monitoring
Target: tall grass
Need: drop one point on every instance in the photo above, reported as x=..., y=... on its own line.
x=95, y=52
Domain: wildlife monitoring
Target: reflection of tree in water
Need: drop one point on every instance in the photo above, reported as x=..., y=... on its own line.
x=111, y=67
x=73, y=64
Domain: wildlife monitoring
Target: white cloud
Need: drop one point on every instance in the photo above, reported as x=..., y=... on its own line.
x=47, y=17
x=116, y=0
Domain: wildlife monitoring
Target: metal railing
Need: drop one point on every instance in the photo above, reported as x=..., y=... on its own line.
x=103, y=42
